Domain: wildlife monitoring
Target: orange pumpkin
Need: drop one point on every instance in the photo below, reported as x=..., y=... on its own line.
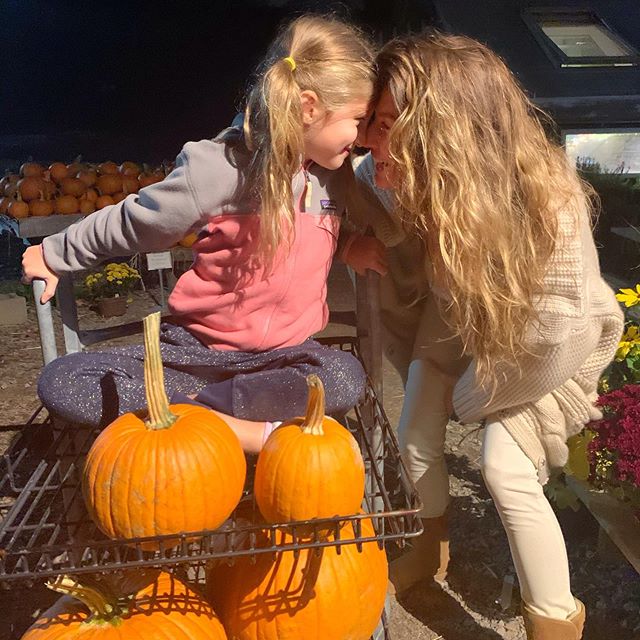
x=5, y=201
x=58, y=171
x=72, y=187
x=18, y=209
x=147, y=179
x=30, y=188
x=88, y=176
x=65, y=205
x=181, y=470
x=165, y=609
x=74, y=167
x=108, y=168
x=109, y=184
x=104, y=201
x=31, y=169
x=310, y=467
x=130, y=184
x=41, y=207
x=9, y=185
x=315, y=596
x=129, y=168
x=87, y=206
x=91, y=194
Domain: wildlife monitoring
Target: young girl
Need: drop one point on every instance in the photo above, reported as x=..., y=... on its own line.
x=266, y=201
x=494, y=303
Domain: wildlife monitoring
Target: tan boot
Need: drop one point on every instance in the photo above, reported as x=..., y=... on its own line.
x=543, y=628
x=429, y=557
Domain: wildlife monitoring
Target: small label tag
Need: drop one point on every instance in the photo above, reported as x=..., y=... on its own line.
x=329, y=205
x=159, y=260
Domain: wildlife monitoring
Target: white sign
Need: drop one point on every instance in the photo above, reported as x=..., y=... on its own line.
x=160, y=260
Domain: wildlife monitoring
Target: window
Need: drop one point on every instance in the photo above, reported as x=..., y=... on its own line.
x=610, y=152
x=575, y=38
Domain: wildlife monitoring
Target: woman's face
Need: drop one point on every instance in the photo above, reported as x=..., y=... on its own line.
x=376, y=138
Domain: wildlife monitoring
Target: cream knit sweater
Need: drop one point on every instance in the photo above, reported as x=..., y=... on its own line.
x=548, y=395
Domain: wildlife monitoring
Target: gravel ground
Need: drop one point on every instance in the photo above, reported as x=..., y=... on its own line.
x=473, y=604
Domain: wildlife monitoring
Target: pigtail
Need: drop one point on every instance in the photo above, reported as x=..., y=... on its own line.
x=286, y=149
x=313, y=53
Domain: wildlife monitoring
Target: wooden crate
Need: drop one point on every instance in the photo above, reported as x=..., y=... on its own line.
x=616, y=520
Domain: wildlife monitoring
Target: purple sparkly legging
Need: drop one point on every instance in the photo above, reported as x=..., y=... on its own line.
x=94, y=388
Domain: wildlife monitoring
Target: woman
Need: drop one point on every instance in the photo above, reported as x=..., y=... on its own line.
x=494, y=304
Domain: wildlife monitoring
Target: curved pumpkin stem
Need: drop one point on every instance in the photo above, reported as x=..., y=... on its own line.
x=314, y=414
x=91, y=597
x=160, y=416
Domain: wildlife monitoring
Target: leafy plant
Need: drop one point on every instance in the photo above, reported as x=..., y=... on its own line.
x=114, y=280
x=625, y=368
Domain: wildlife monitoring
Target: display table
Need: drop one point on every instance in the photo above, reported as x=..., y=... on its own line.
x=38, y=227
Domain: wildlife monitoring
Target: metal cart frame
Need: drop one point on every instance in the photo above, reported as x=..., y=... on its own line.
x=46, y=532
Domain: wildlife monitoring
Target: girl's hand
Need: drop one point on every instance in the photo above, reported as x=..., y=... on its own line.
x=35, y=268
x=367, y=252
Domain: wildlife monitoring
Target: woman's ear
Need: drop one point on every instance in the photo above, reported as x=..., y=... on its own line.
x=312, y=110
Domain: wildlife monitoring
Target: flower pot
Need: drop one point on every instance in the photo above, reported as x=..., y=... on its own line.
x=110, y=307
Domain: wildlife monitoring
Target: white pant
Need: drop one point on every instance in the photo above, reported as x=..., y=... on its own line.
x=535, y=538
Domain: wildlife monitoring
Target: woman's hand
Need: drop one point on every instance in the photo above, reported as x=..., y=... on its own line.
x=35, y=268
x=367, y=252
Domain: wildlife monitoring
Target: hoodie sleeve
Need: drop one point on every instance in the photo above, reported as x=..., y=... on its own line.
x=153, y=219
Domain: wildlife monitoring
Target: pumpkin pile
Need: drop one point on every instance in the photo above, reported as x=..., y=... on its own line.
x=77, y=187
x=182, y=469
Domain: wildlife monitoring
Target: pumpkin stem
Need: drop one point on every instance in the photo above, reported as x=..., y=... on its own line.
x=314, y=414
x=95, y=600
x=160, y=416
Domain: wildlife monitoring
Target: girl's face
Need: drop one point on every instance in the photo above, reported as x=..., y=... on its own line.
x=376, y=138
x=329, y=135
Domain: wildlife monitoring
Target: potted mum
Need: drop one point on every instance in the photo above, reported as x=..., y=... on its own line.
x=110, y=287
x=606, y=455
x=613, y=446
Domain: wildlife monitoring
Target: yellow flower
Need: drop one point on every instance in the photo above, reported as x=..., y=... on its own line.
x=110, y=278
x=630, y=297
x=119, y=281
x=630, y=339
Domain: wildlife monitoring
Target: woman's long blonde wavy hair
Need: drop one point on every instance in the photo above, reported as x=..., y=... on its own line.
x=333, y=59
x=482, y=184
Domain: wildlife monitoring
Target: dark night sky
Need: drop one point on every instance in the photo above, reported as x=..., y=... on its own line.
x=136, y=79
x=140, y=77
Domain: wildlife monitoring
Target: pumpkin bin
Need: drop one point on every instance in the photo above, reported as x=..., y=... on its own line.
x=181, y=470
x=309, y=467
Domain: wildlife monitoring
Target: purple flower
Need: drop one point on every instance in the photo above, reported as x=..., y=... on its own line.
x=618, y=435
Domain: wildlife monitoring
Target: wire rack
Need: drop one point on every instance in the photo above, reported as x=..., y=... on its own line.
x=45, y=530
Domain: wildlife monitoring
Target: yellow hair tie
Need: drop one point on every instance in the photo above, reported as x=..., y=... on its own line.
x=291, y=62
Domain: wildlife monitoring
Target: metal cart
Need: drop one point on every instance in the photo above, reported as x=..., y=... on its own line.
x=47, y=532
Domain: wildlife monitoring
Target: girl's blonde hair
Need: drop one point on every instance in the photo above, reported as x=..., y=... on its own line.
x=482, y=184
x=326, y=56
